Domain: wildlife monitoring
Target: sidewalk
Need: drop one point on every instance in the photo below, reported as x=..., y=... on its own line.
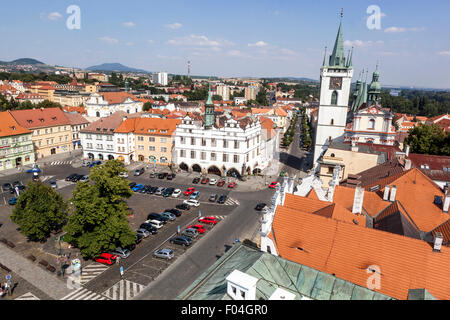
x=38, y=277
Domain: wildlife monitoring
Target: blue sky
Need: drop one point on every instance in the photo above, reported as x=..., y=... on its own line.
x=258, y=38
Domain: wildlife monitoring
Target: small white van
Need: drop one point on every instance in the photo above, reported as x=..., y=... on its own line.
x=157, y=224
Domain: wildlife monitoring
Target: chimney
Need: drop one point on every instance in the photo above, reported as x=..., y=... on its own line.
x=446, y=202
x=407, y=151
x=358, y=200
x=241, y=286
x=407, y=164
x=438, y=238
x=393, y=193
x=386, y=193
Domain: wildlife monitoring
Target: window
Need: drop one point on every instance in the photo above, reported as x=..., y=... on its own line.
x=151, y=148
x=243, y=294
x=109, y=138
x=236, y=159
x=334, y=98
x=192, y=154
x=225, y=157
x=151, y=139
x=140, y=138
x=213, y=142
x=163, y=140
x=203, y=142
x=182, y=153
x=332, y=122
x=182, y=140
x=233, y=288
x=371, y=125
x=203, y=156
x=236, y=144
x=163, y=149
x=163, y=131
x=140, y=147
x=88, y=137
x=225, y=143
x=330, y=170
x=193, y=141
x=213, y=156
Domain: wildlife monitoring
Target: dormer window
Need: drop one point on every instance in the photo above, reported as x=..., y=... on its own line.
x=54, y=118
x=30, y=121
x=41, y=120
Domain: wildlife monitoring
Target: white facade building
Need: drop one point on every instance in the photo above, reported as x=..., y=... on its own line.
x=160, y=78
x=104, y=104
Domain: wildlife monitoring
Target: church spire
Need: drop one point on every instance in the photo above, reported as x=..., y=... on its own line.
x=210, y=117
x=337, y=58
x=350, y=60
x=209, y=101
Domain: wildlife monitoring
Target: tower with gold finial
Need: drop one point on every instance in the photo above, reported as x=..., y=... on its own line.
x=210, y=117
x=335, y=83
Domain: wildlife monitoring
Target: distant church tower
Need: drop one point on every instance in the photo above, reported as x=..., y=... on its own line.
x=210, y=117
x=335, y=83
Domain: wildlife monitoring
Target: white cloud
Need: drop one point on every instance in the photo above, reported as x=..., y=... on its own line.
x=174, y=26
x=54, y=16
x=444, y=53
x=198, y=41
x=109, y=40
x=401, y=29
x=361, y=43
x=129, y=24
x=258, y=44
x=151, y=41
x=235, y=53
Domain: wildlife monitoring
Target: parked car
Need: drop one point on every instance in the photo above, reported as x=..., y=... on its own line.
x=131, y=247
x=86, y=163
x=77, y=178
x=171, y=176
x=95, y=163
x=35, y=176
x=213, y=198
x=205, y=180
x=106, y=258
x=212, y=182
x=196, y=180
x=138, y=187
x=195, y=195
x=191, y=233
x=273, y=185
x=184, y=241
x=152, y=190
x=200, y=229
x=149, y=228
x=192, y=203
x=208, y=220
x=176, y=193
x=84, y=179
x=160, y=191
x=12, y=201
x=169, y=216
x=153, y=175
x=189, y=191
x=7, y=186
x=163, y=175
x=231, y=185
x=260, y=206
x=222, y=199
x=164, y=254
x=221, y=183
x=123, y=174
x=139, y=172
x=156, y=223
x=183, y=206
x=145, y=189
x=176, y=212
x=168, y=192
x=53, y=184
x=143, y=232
x=17, y=184
x=132, y=184
x=122, y=253
x=157, y=216
x=139, y=238
x=69, y=178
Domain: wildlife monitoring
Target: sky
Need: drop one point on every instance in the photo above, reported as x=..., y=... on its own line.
x=235, y=38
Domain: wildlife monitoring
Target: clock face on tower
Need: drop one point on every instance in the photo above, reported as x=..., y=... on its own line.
x=336, y=83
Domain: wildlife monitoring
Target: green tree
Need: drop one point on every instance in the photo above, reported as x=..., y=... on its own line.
x=39, y=210
x=147, y=106
x=428, y=139
x=99, y=220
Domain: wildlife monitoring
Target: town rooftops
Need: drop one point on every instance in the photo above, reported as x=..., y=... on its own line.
x=149, y=126
x=117, y=97
x=38, y=118
x=75, y=118
x=9, y=126
x=109, y=124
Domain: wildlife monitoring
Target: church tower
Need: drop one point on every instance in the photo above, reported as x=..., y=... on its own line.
x=210, y=117
x=335, y=84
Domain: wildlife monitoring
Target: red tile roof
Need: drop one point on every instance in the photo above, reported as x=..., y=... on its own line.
x=9, y=126
x=38, y=118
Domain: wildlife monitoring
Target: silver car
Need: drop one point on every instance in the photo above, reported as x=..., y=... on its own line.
x=122, y=253
x=191, y=233
x=143, y=232
x=160, y=191
x=169, y=216
x=164, y=254
x=84, y=179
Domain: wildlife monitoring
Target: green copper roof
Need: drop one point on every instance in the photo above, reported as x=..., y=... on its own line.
x=210, y=100
x=337, y=58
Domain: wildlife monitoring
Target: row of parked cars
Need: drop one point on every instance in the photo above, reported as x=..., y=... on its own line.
x=213, y=182
x=75, y=177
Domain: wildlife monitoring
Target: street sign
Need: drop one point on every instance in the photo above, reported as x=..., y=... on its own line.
x=179, y=229
x=8, y=277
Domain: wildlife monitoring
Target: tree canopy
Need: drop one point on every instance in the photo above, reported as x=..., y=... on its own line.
x=98, y=222
x=428, y=139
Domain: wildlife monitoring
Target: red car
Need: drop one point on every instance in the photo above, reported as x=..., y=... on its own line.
x=221, y=183
x=106, y=258
x=273, y=185
x=208, y=220
x=189, y=191
x=232, y=185
x=201, y=229
x=205, y=180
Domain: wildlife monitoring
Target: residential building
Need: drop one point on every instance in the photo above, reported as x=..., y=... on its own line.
x=70, y=98
x=77, y=123
x=16, y=145
x=52, y=133
x=251, y=92
x=336, y=77
x=104, y=104
x=34, y=98
x=160, y=78
x=223, y=91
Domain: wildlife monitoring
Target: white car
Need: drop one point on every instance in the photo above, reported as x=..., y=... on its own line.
x=156, y=223
x=213, y=181
x=192, y=203
x=123, y=174
x=176, y=193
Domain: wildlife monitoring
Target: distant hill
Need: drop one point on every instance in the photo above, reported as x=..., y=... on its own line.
x=115, y=67
x=23, y=61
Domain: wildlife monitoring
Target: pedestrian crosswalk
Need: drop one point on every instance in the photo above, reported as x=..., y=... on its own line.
x=27, y=296
x=60, y=163
x=231, y=202
x=84, y=294
x=124, y=290
x=91, y=271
